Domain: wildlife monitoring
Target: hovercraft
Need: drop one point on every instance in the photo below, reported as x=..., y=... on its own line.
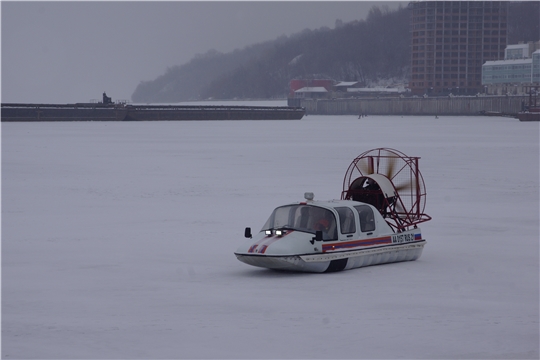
x=374, y=222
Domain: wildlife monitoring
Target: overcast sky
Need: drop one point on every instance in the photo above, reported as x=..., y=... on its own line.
x=66, y=52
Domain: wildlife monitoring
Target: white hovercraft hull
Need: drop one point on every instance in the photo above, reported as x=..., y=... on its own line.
x=339, y=260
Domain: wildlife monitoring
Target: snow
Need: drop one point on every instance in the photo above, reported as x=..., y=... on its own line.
x=377, y=89
x=311, y=89
x=346, y=83
x=118, y=241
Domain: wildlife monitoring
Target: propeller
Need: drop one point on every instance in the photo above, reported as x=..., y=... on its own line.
x=364, y=166
x=403, y=173
x=405, y=186
x=391, y=174
x=390, y=167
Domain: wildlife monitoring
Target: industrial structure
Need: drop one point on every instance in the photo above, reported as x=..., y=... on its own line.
x=451, y=40
x=514, y=75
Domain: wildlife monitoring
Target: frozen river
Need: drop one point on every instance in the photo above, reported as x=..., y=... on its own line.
x=118, y=241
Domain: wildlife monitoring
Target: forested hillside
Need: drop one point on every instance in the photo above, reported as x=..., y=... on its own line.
x=370, y=50
x=363, y=50
x=186, y=82
x=377, y=47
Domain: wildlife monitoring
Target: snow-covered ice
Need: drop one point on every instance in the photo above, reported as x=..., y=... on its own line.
x=118, y=241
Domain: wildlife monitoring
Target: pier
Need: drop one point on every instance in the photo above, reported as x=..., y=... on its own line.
x=123, y=112
x=469, y=106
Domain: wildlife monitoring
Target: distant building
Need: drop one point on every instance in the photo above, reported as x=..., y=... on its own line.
x=330, y=89
x=451, y=40
x=316, y=92
x=514, y=74
x=518, y=51
x=297, y=84
x=377, y=92
x=344, y=86
x=536, y=67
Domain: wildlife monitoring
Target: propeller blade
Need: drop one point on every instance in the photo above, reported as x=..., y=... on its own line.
x=364, y=166
x=404, y=186
x=390, y=168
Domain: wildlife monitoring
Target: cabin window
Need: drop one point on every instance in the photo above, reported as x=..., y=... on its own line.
x=346, y=220
x=304, y=218
x=367, y=219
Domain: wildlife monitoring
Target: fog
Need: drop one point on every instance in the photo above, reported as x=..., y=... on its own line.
x=66, y=52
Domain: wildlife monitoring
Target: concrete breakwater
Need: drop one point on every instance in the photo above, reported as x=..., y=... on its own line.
x=121, y=112
x=505, y=105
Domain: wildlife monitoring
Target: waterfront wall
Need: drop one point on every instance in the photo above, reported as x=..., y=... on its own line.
x=415, y=106
x=91, y=112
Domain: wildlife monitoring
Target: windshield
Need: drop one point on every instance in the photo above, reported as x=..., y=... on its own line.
x=304, y=218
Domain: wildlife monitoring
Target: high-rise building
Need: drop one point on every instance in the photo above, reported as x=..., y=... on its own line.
x=451, y=40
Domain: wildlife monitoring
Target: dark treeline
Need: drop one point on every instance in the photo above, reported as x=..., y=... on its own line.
x=370, y=50
x=186, y=82
x=362, y=50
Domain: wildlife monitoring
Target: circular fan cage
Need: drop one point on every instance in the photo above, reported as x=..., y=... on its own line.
x=390, y=181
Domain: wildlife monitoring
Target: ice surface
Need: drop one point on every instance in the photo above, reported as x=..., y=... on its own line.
x=118, y=241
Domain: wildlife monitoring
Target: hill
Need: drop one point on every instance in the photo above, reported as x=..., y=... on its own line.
x=373, y=50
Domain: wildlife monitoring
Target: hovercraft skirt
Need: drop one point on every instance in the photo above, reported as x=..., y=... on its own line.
x=337, y=261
